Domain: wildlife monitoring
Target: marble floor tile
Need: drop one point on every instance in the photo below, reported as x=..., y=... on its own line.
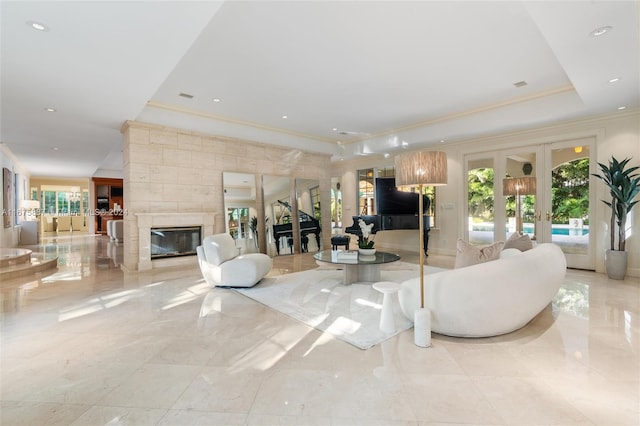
x=91, y=344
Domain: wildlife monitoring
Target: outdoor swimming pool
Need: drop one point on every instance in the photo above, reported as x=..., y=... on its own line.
x=527, y=228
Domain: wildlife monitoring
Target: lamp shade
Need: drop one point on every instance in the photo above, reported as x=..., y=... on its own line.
x=30, y=204
x=519, y=186
x=421, y=168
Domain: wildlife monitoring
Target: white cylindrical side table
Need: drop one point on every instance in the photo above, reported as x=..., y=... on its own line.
x=389, y=289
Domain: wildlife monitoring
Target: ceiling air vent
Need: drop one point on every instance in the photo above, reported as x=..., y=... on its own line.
x=520, y=83
x=186, y=95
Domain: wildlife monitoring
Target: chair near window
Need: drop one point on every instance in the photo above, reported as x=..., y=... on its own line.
x=63, y=223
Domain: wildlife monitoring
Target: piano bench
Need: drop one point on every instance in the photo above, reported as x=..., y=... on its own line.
x=340, y=240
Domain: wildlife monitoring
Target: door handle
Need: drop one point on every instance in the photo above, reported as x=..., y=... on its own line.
x=538, y=215
x=548, y=216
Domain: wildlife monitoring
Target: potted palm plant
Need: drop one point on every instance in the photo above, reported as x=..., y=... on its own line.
x=624, y=186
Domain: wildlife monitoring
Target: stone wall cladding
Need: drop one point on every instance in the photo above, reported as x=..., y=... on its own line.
x=170, y=170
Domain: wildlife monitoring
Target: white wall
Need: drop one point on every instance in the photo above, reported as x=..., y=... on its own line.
x=9, y=237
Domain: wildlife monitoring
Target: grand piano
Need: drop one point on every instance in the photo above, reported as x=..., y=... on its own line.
x=308, y=225
x=396, y=210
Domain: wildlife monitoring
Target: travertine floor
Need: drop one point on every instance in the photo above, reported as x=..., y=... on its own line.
x=91, y=345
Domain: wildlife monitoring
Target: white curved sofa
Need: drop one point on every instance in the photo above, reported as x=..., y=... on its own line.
x=491, y=298
x=221, y=265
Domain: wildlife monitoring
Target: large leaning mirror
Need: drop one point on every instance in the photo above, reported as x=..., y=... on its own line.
x=309, y=213
x=241, y=210
x=278, y=215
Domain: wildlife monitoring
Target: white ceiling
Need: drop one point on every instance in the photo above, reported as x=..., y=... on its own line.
x=383, y=72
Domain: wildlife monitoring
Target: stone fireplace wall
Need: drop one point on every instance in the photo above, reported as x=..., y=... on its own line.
x=169, y=170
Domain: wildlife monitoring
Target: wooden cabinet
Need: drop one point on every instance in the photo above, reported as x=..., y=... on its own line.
x=108, y=200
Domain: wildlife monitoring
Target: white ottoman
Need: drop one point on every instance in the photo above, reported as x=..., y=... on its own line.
x=389, y=289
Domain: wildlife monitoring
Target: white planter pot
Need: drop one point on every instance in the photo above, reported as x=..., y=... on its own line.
x=422, y=327
x=616, y=264
x=367, y=252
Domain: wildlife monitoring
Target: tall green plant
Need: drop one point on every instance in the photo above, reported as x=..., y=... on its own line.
x=623, y=188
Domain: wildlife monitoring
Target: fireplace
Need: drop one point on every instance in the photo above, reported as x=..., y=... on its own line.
x=175, y=241
x=139, y=257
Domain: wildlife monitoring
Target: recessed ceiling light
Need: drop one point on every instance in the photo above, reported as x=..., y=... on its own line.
x=600, y=31
x=37, y=26
x=50, y=109
x=284, y=116
x=613, y=80
x=186, y=95
x=386, y=155
x=55, y=148
x=622, y=107
x=441, y=140
x=405, y=144
x=335, y=129
x=216, y=99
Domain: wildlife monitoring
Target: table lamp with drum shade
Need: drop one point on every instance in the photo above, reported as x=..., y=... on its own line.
x=421, y=168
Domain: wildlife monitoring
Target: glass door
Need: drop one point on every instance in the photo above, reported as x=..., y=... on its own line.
x=540, y=190
x=481, y=199
x=568, y=197
x=519, y=188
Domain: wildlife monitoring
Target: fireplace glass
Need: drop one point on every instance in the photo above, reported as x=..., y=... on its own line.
x=175, y=241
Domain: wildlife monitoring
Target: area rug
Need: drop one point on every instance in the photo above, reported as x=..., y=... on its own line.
x=318, y=298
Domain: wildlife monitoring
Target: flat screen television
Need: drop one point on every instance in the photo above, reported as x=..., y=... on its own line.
x=391, y=201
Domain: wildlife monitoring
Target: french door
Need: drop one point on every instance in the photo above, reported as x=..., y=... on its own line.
x=567, y=200
x=541, y=190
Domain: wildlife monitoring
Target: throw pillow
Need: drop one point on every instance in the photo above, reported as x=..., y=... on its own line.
x=520, y=242
x=469, y=254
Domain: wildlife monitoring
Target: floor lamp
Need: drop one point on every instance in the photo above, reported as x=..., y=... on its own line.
x=525, y=185
x=422, y=168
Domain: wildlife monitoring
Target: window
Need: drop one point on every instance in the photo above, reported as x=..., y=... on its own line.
x=366, y=204
x=336, y=205
x=85, y=201
x=63, y=202
x=48, y=202
x=480, y=183
x=315, y=201
x=238, y=222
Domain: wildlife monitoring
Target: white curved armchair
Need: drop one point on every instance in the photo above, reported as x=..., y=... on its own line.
x=221, y=265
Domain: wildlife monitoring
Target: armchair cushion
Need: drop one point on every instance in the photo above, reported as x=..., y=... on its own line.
x=219, y=248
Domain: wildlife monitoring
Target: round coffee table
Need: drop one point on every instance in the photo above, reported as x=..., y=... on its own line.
x=362, y=269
